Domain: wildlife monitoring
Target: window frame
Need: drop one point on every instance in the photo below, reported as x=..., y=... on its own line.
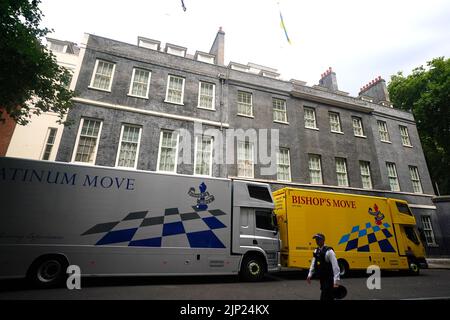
x=213, y=108
x=120, y=146
x=385, y=126
x=77, y=140
x=210, y=157
x=252, y=115
x=274, y=110
x=409, y=144
x=47, y=136
x=428, y=226
x=182, y=90
x=130, y=92
x=396, y=176
x=310, y=156
x=330, y=113
x=252, y=158
x=91, y=84
x=361, y=163
x=363, y=135
x=418, y=180
x=305, y=119
x=346, y=171
x=158, y=162
x=288, y=164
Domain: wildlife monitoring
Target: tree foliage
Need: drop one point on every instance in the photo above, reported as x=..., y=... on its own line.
x=426, y=92
x=31, y=81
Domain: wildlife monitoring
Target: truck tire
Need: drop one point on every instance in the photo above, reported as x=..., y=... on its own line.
x=48, y=271
x=343, y=267
x=414, y=268
x=253, y=268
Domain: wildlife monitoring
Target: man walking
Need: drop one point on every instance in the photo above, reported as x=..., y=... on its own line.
x=324, y=264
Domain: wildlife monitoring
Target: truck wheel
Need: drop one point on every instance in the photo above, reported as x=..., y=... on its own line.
x=48, y=271
x=253, y=268
x=414, y=268
x=343, y=267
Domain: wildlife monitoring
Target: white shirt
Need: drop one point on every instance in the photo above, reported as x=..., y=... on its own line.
x=330, y=256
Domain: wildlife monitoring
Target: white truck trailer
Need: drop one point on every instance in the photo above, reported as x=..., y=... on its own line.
x=114, y=222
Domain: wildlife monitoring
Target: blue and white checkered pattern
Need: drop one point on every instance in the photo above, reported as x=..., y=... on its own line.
x=172, y=229
x=368, y=238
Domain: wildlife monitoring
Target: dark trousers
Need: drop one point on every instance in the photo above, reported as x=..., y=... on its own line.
x=326, y=289
x=326, y=294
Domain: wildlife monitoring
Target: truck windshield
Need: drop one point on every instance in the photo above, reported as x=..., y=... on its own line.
x=403, y=208
x=411, y=235
x=264, y=220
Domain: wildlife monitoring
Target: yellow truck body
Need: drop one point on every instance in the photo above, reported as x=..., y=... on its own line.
x=363, y=230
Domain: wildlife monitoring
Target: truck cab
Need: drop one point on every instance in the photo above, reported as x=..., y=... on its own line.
x=255, y=230
x=409, y=243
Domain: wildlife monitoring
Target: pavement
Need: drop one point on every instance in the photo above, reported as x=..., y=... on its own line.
x=438, y=263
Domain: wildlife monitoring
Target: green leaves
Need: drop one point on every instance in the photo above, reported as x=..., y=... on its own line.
x=427, y=93
x=31, y=81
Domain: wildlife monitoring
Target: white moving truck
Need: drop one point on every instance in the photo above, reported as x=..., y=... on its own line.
x=113, y=222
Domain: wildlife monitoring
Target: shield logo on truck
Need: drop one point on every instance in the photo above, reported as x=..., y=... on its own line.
x=377, y=214
x=203, y=197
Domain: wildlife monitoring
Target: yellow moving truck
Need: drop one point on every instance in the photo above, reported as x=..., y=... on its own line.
x=362, y=230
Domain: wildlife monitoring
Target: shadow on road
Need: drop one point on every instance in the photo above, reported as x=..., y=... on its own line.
x=22, y=284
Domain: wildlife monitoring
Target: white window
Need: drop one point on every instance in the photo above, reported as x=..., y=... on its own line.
x=130, y=137
x=175, y=90
x=87, y=141
x=382, y=128
x=205, y=58
x=203, y=155
x=366, y=178
x=140, y=83
x=168, y=151
x=415, y=179
x=57, y=47
x=392, y=175
x=103, y=75
x=405, y=136
x=206, y=95
x=149, y=44
x=357, y=127
x=279, y=110
x=50, y=141
x=245, y=159
x=310, y=118
x=245, y=106
x=315, y=169
x=341, y=172
x=335, y=122
x=428, y=230
x=176, y=51
x=283, y=165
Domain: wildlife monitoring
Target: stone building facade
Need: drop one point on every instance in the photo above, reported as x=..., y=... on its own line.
x=132, y=101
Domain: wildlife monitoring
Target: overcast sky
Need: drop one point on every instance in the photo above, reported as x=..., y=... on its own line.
x=359, y=39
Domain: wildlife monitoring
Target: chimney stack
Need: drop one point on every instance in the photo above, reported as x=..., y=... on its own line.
x=377, y=90
x=328, y=80
x=218, y=47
